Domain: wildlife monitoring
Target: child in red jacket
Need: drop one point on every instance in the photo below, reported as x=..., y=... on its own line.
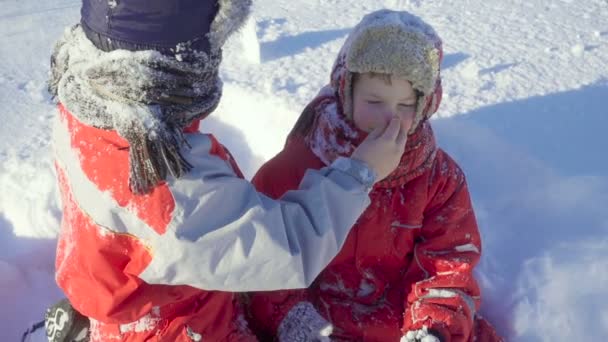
x=405, y=271
x=159, y=230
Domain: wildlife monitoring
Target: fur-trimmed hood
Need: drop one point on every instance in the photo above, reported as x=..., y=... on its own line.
x=397, y=43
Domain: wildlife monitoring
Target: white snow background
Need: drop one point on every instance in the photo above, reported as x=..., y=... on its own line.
x=525, y=113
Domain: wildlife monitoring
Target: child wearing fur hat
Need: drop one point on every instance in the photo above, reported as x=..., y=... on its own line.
x=159, y=228
x=406, y=269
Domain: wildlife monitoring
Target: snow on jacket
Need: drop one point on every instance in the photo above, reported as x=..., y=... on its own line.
x=155, y=266
x=408, y=261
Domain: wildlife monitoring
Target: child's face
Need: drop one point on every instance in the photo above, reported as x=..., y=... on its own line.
x=376, y=101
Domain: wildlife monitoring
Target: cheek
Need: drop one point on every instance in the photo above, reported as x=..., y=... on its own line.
x=408, y=120
x=365, y=118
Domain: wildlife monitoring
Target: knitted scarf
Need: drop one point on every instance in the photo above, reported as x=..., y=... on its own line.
x=146, y=97
x=332, y=135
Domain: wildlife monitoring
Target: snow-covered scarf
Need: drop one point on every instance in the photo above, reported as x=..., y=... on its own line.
x=332, y=135
x=146, y=97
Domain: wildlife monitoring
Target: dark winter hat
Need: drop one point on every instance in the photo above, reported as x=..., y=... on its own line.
x=167, y=26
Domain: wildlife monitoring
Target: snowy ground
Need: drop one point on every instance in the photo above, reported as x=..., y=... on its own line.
x=523, y=113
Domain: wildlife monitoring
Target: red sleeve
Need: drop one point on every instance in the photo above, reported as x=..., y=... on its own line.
x=446, y=296
x=284, y=172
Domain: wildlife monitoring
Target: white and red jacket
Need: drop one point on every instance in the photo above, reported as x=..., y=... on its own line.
x=162, y=266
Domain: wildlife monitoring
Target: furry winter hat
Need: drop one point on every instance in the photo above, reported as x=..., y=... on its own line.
x=146, y=69
x=396, y=43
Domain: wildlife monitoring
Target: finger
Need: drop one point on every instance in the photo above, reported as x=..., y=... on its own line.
x=402, y=137
x=375, y=133
x=392, y=130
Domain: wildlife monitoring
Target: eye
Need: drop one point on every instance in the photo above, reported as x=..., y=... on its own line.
x=405, y=105
x=373, y=101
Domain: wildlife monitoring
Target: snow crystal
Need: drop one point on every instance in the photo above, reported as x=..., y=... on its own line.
x=365, y=289
x=421, y=335
x=244, y=44
x=440, y=293
x=146, y=323
x=469, y=247
x=403, y=225
x=193, y=335
x=577, y=50
x=470, y=71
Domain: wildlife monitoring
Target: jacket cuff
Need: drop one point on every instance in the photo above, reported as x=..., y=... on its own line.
x=421, y=335
x=304, y=324
x=357, y=169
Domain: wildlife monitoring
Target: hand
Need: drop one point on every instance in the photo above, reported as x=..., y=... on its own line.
x=422, y=335
x=304, y=324
x=383, y=148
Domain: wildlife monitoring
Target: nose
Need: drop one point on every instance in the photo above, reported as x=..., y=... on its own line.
x=388, y=113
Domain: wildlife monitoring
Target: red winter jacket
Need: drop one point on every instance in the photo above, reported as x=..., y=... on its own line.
x=98, y=268
x=406, y=263
x=136, y=264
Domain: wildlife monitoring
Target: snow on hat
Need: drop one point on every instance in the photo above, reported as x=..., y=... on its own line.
x=167, y=26
x=399, y=44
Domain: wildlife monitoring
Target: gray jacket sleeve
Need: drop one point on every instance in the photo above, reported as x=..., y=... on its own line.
x=226, y=236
